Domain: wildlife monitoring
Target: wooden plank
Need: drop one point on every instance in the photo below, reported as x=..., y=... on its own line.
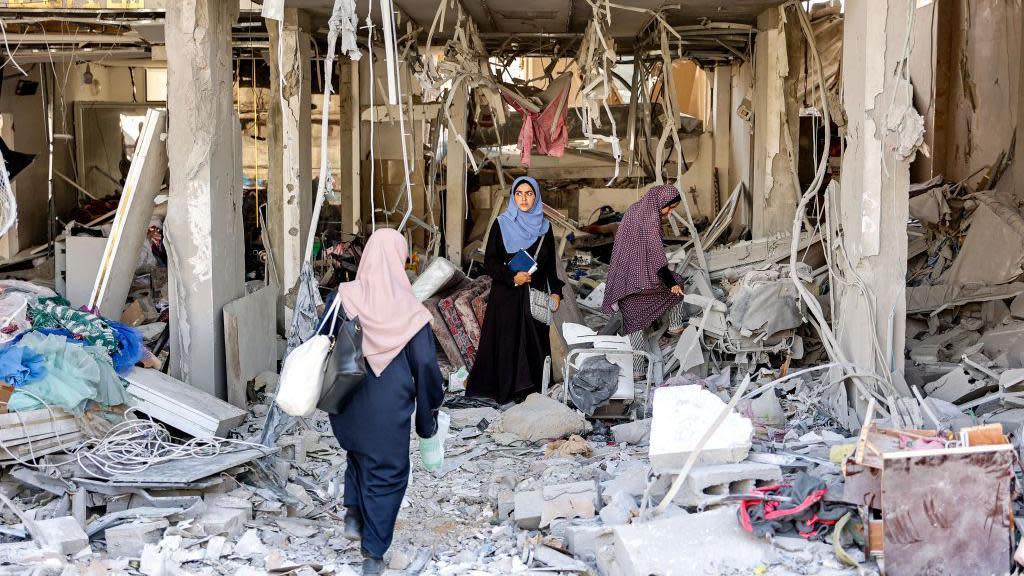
x=250, y=345
x=117, y=268
x=947, y=510
x=182, y=405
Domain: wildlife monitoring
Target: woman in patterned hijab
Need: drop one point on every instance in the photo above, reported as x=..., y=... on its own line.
x=640, y=285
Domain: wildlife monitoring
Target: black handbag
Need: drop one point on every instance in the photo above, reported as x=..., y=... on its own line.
x=345, y=370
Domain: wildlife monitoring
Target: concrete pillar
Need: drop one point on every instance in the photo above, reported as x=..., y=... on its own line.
x=455, y=196
x=1018, y=162
x=351, y=151
x=290, y=201
x=776, y=189
x=204, y=220
x=721, y=118
x=874, y=188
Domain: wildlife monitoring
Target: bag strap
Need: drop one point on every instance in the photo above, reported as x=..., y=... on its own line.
x=332, y=313
x=536, y=253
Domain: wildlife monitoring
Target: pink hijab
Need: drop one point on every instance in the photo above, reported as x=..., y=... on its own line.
x=382, y=298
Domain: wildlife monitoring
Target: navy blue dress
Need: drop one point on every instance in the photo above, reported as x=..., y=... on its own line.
x=373, y=429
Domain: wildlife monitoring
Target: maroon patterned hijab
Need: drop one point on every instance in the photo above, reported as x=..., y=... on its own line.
x=639, y=250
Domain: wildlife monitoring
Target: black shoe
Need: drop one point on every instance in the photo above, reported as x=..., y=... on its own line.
x=372, y=566
x=353, y=526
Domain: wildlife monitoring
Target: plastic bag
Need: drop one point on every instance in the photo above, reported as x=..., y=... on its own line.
x=457, y=380
x=432, y=449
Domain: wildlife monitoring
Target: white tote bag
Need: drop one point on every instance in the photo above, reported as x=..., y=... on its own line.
x=302, y=375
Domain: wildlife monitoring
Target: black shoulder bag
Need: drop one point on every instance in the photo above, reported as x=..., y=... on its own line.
x=346, y=369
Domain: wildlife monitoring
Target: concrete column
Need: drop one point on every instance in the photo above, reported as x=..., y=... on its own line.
x=204, y=220
x=874, y=187
x=290, y=201
x=351, y=151
x=776, y=189
x=1018, y=162
x=721, y=118
x=455, y=196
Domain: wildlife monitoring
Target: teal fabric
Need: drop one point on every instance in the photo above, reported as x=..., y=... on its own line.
x=75, y=374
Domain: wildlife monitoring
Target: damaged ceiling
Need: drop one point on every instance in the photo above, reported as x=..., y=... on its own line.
x=512, y=17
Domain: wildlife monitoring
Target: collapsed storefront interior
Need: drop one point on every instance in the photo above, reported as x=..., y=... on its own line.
x=184, y=182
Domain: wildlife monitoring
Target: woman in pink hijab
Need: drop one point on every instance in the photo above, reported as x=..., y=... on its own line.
x=374, y=425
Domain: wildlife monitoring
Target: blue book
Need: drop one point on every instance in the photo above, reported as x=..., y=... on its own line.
x=522, y=262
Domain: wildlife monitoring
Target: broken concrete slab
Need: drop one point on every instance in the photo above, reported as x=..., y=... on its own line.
x=922, y=299
x=466, y=417
x=1011, y=378
x=682, y=415
x=185, y=407
x=619, y=510
x=129, y=540
x=62, y=534
x=714, y=543
x=250, y=340
x=529, y=507
x=990, y=254
x=230, y=521
x=637, y=432
x=541, y=418
x=250, y=545
x=584, y=540
x=688, y=350
x=955, y=386
x=1017, y=307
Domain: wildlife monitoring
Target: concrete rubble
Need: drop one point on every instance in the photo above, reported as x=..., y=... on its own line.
x=840, y=391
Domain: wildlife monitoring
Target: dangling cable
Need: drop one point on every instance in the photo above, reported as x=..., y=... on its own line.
x=373, y=119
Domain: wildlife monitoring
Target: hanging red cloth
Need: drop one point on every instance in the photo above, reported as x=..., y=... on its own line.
x=547, y=127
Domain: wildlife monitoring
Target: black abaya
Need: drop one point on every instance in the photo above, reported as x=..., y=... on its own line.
x=510, y=359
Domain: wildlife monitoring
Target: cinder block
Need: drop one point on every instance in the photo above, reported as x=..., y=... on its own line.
x=704, y=483
x=576, y=500
x=536, y=509
x=63, y=535
x=128, y=540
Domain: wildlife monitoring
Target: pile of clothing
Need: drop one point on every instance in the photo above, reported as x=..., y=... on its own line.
x=53, y=354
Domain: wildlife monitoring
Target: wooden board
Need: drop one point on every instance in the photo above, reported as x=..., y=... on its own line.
x=947, y=511
x=180, y=405
x=250, y=345
x=121, y=255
